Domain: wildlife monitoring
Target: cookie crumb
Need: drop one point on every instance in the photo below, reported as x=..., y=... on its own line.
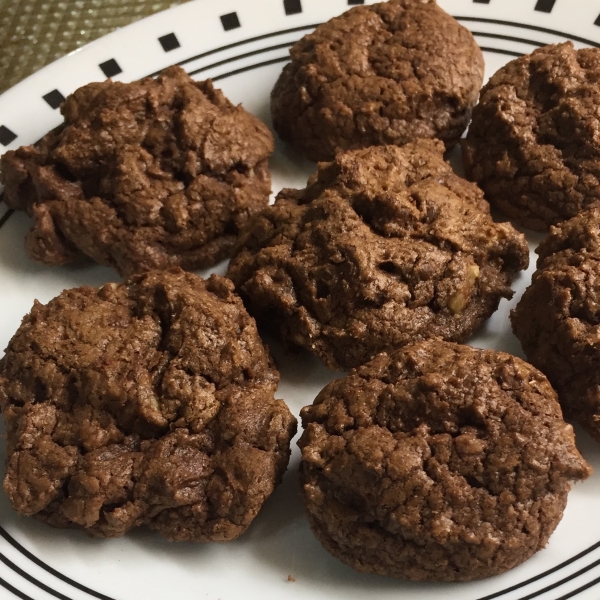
x=292, y=579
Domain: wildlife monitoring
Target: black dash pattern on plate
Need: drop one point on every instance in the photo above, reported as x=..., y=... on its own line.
x=169, y=42
x=6, y=135
x=230, y=21
x=54, y=99
x=110, y=68
x=34, y=559
x=481, y=1
x=292, y=7
x=545, y=5
x=597, y=21
x=354, y=2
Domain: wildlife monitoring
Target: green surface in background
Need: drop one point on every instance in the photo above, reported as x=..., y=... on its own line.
x=33, y=33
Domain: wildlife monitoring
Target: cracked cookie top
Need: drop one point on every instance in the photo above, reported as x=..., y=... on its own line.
x=145, y=175
x=437, y=462
x=386, y=245
x=149, y=402
x=534, y=143
x=557, y=317
x=385, y=73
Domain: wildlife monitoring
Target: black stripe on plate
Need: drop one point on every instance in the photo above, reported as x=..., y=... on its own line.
x=251, y=67
x=575, y=38
x=31, y=579
x=539, y=576
x=587, y=586
x=242, y=43
x=239, y=56
x=14, y=590
x=34, y=559
x=501, y=51
x=481, y=1
x=545, y=5
x=509, y=38
x=557, y=584
x=597, y=21
x=6, y=216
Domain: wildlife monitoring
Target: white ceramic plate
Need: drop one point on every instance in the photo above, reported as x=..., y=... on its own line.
x=243, y=44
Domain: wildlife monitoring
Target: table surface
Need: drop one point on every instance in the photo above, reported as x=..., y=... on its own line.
x=33, y=33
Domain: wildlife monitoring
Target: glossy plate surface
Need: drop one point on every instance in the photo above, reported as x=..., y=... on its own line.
x=242, y=44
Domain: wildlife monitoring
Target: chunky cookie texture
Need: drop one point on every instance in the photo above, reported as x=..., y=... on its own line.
x=534, y=143
x=385, y=246
x=557, y=318
x=437, y=462
x=145, y=403
x=146, y=175
x=381, y=74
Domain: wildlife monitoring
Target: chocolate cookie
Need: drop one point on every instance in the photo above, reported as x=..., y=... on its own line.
x=533, y=145
x=385, y=246
x=380, y=74
x=146, y=175
x=437, y=462
x=145, y=403
x=557, y=318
